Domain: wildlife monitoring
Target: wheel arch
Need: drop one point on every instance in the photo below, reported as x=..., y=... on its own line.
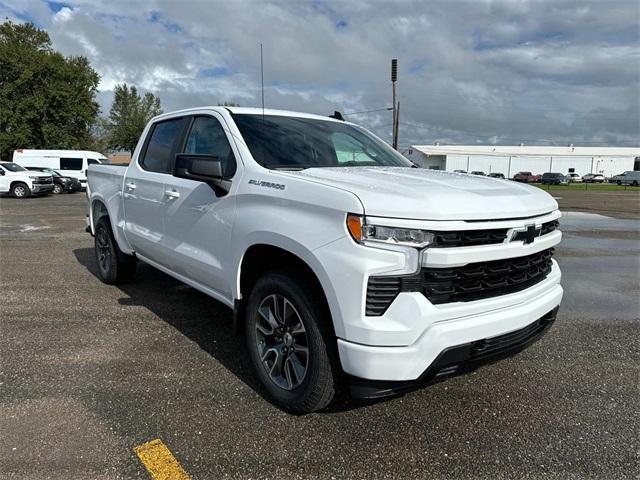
x=100, y=209
x=262, y=257
x=18, y=181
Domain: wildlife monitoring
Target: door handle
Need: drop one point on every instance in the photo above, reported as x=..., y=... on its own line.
x=172, y=193
x=131, y=186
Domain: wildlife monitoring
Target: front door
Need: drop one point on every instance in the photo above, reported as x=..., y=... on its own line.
x=4, y=181
x=198, y=221
x=144, y=189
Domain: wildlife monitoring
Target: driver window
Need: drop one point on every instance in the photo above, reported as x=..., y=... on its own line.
x=350, y=150
x=207, y=137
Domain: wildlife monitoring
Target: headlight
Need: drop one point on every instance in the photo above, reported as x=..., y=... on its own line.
x=33, y=177
x=362, y=232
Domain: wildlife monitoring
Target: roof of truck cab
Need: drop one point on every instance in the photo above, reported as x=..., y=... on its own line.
x=252, y=111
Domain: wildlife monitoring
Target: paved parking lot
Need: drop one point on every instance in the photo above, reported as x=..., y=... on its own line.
x=88, y=372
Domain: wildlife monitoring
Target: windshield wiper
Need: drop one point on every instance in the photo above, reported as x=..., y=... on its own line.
x=286, y=167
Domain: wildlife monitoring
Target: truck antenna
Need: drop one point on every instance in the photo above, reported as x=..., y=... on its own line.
x=262, y=91
x=262, y=81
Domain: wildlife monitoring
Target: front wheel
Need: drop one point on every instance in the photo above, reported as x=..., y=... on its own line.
x=619, y=182
x=20, y=190
x=57, y=188
x=290, y=343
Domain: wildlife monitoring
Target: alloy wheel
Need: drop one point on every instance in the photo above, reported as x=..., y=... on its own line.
x=103, y=249
x=20, y=191
x=282, y=342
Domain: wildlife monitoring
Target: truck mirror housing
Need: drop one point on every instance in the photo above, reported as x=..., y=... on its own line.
x=205, y=168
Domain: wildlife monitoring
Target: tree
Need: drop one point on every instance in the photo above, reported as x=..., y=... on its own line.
x=47, y=100
x=129, y=114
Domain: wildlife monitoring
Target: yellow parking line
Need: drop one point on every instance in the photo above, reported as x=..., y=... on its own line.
x=160, y=462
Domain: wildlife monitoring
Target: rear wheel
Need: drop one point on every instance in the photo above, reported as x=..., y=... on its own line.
x=619, y=182
x=20, y=190
x=114, y=266
x=635, y=183
x=290, y=345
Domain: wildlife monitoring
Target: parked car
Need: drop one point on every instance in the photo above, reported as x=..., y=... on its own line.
x=593, y=178
x=526, y=177
x=617, y=178
x=496, y=175
x=20, y=183
x=460, y=171
x=70, y=163
x=554, y=179
x=573, y=178
x=252, y=208
x=630, y=177
x=478, y=172
x=60, y=182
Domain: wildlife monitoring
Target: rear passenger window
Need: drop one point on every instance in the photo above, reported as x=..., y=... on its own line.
x=70, y=164
x=157, y=156
x=92, y=161
x=207, y=137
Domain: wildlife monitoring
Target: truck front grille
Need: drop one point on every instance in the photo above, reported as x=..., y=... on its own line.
x=475, y=281
x=43, y=180
x=485, y=280
x=472, y=238
x=468, y=238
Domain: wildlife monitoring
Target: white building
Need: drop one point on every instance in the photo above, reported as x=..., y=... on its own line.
x=510, y=160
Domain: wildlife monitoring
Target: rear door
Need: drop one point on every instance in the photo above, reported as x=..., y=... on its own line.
x=144, y=186
x=198, y=221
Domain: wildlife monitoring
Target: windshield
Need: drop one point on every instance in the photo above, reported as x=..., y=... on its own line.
x=13, y=167
x=298, y=143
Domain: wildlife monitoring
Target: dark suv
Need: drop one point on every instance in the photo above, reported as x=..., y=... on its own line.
x=60, y=182
x=554, y=179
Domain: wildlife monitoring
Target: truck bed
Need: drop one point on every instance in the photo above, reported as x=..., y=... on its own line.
x=106, y=182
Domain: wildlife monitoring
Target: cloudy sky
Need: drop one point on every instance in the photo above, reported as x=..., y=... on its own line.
x=505, y=72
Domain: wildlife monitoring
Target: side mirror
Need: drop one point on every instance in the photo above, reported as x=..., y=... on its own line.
x=204, y=168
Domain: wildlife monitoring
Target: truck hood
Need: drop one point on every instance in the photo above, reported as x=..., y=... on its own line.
x=417, y=193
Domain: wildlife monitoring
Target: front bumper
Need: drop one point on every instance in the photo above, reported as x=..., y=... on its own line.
x=41, y=188
x=459, y=359
x=407, y=363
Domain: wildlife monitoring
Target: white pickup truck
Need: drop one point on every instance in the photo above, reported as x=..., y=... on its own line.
x=19, y=182
x=348, y=269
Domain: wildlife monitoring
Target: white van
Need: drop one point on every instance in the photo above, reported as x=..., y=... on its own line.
x=70, y=163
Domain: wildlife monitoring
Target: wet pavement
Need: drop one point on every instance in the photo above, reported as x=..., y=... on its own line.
x=600, y=261
x=89, y=371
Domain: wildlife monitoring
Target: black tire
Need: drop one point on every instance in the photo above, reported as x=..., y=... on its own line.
x=635, y=183
x=114, y=266
x=57, y=189
x=619, y=182
x=20, y=190
x=318, y=386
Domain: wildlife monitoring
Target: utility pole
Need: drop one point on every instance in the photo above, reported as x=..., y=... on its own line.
x=395, y=129
x=394, y=79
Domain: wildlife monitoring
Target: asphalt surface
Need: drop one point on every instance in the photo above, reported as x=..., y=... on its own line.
x=89, y=371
